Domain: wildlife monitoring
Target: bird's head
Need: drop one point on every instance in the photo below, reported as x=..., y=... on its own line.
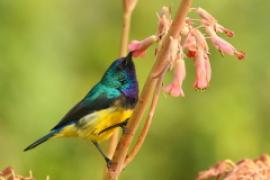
x=121, y=75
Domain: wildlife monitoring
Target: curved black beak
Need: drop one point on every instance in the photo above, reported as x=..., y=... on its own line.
x=128, y=59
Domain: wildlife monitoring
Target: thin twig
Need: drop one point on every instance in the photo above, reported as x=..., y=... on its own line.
x=125, y=141
x=125, y=33
x=147, y=123
x=128, y=7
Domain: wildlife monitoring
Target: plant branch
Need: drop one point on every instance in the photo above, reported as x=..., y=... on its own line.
x=125, y=33
x=128, y=7
x=160, y=64
x=147, y=123
x=174, y=31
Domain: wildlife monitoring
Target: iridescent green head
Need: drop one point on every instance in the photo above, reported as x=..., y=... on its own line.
x=121, y=75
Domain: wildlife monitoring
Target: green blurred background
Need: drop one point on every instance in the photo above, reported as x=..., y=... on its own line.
x=52, y=52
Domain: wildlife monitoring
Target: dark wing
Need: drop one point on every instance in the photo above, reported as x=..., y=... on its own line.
x=84, y=107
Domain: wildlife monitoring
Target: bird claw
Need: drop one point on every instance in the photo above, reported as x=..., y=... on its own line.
x=109, y=163
x=122, y=125
x=124, y=129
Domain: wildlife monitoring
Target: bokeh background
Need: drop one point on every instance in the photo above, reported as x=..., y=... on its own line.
x=52, y=52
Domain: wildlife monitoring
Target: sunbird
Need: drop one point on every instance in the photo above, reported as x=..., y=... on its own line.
x=108, y=105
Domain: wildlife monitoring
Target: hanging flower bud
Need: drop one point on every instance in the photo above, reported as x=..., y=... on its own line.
x=208, y=68
x=221, y=29
x=139, y=47
x=200, y=39
x=208, y=20
x=190, y=45
x=175, y=88
x=222, y=45
x=206, y=17
x=201, y=80
x=195, y=46
x=240, y=54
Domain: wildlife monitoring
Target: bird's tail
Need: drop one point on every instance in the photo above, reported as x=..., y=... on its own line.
x=40, y=141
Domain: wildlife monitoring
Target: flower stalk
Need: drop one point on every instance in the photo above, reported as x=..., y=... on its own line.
x=147, y=123
x=151, y=82
x=128, y=8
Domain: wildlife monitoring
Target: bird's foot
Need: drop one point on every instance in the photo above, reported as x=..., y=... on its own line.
x=124, y=127
x=108, y=162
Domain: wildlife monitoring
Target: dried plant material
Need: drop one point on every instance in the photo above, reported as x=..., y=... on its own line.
x=9, y=174
x=164, y=21
x=217, y=171
x=185, y=30
x=247, y=169
x=164, y=24
x=176, y=51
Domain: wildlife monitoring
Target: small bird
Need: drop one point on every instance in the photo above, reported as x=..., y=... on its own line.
x=108, y=105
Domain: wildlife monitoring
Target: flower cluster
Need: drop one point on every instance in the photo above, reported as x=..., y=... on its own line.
x=9, y=173
x=191, y=43
x=258, y=169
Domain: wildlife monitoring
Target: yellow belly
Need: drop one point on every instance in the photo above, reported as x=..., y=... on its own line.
x=94, y=123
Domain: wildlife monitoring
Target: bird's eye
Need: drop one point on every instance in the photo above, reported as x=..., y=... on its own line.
x=122, y=81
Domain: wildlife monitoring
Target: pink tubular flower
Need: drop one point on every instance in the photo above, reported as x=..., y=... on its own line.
x=139, y=47
x=202, y=69
x=175, y=88
x=240, y=54
x=220, y=28
x=208, y=68
x=223, y=46
x=207, y=18
x=200, y=39
x=190, y=45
